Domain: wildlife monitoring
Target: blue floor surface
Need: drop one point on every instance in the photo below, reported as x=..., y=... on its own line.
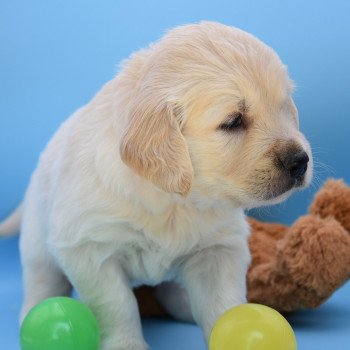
x=327, y=328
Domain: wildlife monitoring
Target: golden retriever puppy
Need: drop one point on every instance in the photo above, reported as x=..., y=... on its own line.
x=149, y=181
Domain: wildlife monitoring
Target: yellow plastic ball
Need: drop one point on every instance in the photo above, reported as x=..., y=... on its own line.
x=252, y=327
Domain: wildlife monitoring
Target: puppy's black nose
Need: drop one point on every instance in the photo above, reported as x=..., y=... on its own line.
x=296, y=163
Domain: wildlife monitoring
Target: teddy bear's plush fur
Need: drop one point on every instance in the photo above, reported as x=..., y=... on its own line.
x=301, y=266
x=294, y=267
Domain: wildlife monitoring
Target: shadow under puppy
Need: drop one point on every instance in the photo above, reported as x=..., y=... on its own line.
x=149, y=181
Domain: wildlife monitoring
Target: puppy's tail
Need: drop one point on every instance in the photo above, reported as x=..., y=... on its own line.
x=11, y=225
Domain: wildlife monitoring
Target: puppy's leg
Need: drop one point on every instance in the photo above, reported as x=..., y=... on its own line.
x=104, y=287
x=215, y=280
x=42, y=280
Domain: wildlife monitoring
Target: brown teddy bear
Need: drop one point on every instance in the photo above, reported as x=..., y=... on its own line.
x=301, y=266
x=297, y=267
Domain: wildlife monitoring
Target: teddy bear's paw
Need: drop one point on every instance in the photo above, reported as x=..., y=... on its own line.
x=316, y=253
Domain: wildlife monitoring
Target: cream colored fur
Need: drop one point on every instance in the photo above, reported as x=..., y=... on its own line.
x=142, y=186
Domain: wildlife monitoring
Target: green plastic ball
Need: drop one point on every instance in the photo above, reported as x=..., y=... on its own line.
x=60, y=324
x=252, y=327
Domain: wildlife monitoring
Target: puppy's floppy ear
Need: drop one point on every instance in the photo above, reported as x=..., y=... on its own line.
x=154, y=147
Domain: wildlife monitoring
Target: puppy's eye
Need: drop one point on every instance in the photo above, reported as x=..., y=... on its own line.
x=233, y=123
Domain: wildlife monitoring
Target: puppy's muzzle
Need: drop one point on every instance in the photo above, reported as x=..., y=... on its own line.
x=295, y=164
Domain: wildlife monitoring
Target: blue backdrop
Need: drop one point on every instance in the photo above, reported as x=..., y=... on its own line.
x=56, y=54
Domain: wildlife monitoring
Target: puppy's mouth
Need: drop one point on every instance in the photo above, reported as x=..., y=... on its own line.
x=274, y=185
x=279, y=187
x=290, y=172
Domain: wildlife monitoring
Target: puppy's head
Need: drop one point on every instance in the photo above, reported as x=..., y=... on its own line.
x=209, y=108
